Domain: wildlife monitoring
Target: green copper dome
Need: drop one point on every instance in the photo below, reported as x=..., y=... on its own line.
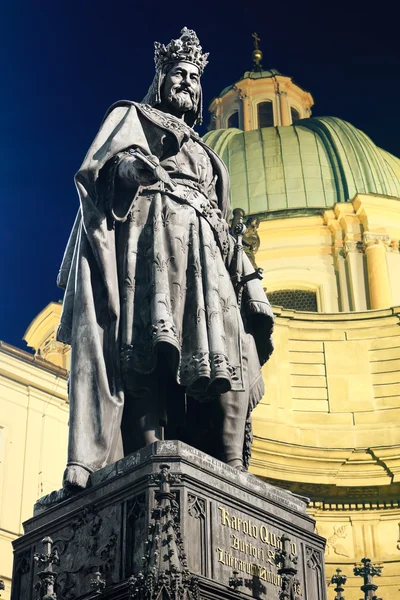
x=311, y=164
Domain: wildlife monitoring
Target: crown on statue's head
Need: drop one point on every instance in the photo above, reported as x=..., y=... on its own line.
x=186, y=48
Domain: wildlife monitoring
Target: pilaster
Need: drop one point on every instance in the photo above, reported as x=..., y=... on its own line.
x=376, y=246
x=353, y=273
x=284, y=109
x=244, y=97
x=217, y=113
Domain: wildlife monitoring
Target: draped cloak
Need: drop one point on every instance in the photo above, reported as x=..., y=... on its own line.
x=91, y=276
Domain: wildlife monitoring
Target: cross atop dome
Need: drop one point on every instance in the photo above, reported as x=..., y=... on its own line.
x=257, y=53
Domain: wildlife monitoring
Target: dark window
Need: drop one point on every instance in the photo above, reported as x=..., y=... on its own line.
x=295, y=114
x=294, y=299
x=265, y=115
x=233, y=121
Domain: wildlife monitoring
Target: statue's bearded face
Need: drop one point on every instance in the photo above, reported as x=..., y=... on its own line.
x=182, y=87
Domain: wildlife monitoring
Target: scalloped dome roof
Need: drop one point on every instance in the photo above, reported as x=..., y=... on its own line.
x=312, y=164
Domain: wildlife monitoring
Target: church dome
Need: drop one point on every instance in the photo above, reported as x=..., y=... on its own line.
x=313, y=163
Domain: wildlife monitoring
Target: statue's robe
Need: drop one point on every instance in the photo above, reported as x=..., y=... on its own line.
x=142, y=270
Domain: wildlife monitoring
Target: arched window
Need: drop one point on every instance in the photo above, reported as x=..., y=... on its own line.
x=233, y=121
x=295, y=114
x=294, y=299
x=265, y=114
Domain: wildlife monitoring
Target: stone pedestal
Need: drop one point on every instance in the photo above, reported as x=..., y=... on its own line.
x=170, y=521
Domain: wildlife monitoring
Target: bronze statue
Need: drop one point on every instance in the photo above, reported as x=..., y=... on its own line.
x=159, y=344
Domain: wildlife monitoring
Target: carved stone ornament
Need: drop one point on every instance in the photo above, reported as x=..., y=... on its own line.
x=287, y=562
x=242, y=95
x=98, y=583
x=2, y=587
x=53, y=347
x=22, y=562
x=353, y=246
x=47, y=578
x=164, y=479
x=376, y=238
x=137, y=507
x=334, y=541
x=196, y=506
x=165, y=573
x=313, y=557
x=87, y=544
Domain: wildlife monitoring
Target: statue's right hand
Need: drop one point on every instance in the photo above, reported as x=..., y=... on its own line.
x=134, y=170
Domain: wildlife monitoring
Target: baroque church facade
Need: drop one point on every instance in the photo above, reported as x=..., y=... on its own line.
x=325, y=206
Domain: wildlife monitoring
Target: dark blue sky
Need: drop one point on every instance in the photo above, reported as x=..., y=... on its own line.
x=65, y=62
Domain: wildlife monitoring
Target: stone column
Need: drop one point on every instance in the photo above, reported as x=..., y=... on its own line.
x=380, y=292
x=284, y=109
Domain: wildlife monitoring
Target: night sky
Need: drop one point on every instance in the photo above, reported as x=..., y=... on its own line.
x=64, y=62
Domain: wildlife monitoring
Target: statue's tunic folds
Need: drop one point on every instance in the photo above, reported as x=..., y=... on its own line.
x=175, y=287
x=144, y=270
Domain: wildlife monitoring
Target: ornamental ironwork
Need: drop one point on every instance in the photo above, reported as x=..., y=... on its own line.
x=339, y=581
x=303, y=300
x=368, y=571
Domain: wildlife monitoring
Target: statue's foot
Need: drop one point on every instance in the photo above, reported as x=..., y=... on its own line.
x=236, y=463
x=241, y=468
x=75, y=478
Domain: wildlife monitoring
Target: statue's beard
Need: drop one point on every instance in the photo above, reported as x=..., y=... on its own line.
x=181, y=100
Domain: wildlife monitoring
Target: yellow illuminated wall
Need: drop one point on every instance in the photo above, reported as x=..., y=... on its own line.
x=328, y=425
x=33, y=432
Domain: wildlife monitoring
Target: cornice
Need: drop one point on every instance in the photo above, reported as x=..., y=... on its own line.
x=332, y=498
x=326, y=470
x=35, y=361
x=365, y=318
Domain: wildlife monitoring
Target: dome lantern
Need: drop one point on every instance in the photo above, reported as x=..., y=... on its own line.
x=260, y=99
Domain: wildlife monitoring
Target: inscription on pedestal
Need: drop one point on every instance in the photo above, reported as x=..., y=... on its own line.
x=247, y=546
